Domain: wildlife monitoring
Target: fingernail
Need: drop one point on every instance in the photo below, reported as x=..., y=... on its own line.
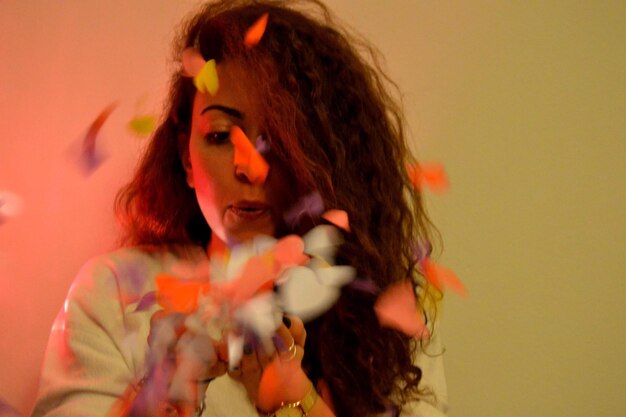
x=247, y=349
x=287, y=321
x=279, y=343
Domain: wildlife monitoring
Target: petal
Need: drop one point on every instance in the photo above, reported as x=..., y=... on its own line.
x=192, y=62
x=322, y=241
x=303, y=295
x=142, y=125
x=255, y=32
x=430, y=174
x=206, y=80
x=396, y=308
x=442, y=277
x=339, y=218
x=289, y=251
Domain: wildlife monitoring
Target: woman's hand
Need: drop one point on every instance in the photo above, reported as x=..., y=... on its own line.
x=277, y=377
x=181, y=363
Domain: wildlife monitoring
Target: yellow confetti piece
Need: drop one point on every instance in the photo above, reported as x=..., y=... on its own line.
x=142, y=125
x=207, y=80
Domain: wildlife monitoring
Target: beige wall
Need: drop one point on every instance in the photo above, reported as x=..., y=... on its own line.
x=523, y=102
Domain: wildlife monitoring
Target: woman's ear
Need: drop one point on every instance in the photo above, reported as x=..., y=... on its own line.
x=183, y=151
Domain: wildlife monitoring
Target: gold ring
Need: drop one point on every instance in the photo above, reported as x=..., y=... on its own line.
x=290, y=353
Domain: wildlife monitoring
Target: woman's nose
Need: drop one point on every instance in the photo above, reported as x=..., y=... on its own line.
x=247, y=160
x=241, y=174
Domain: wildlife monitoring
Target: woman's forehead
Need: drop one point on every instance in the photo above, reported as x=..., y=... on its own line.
x=236, y=89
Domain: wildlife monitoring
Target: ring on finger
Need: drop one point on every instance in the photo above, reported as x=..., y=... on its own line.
x=290, y=353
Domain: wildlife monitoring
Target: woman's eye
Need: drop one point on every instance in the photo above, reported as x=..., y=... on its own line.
x=218, y=138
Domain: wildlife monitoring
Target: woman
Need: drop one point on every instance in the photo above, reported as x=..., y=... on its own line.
x=327, y=126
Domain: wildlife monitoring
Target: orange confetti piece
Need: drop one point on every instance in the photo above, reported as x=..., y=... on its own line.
x=396, y=308
x=247, y=158
x=258, y=275
x=431, y=174
x=179, y=296
x=441, y=277
x=339, y=218
x=289, y=251
x=256, y=31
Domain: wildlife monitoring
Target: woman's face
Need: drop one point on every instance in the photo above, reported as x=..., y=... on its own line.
x=235, y=209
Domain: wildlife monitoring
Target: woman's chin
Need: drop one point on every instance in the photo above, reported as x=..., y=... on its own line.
x=234, y=238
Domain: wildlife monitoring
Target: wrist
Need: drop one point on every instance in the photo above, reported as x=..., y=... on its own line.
x=298, y=408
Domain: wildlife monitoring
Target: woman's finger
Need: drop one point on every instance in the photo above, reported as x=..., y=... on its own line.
x=296, y=328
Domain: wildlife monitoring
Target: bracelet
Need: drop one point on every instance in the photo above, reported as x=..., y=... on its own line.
x=297, y=409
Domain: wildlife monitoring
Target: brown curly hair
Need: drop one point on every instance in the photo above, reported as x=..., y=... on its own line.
x=331, y=119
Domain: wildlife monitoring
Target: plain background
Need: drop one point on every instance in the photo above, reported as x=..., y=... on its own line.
x=523, y=102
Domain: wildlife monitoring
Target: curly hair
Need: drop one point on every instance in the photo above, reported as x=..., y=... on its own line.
x=331, y=118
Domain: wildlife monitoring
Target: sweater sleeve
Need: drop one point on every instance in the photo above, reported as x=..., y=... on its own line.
x=434, y=401
x=86, y=366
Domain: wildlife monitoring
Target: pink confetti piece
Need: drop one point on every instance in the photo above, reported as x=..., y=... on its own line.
x=432, y=175
x=396, y=308
x=192, y=62
x=256, y=31
x=261, y=145
x=442, y=278
x=258, y=274
x=10, y=205
x=247, y=159
x=289, y=251
x=339, y=218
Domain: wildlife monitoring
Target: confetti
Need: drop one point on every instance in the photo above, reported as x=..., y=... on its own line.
x=261, y=145
x=142, y=125
x=256, y=31
x=91, y=158
x=10, y=205
x=311, y=206
x=339, y=218
x=206, y=80
x=396, y=308
x=441, y=277
x=204, y=73
x=147, y=301
x=308, y=293
x=176, y=295
x=432, y=175
x=7, y=410
x=192, y=62
x=247, y=159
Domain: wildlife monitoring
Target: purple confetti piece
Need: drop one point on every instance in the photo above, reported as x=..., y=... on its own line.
x=146, y=301
x=310, y=205
x=422, y=250
x=7, y=410
x=364, y=286
x=261, y=145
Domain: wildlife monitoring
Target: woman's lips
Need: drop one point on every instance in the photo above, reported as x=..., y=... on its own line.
x=249, y=210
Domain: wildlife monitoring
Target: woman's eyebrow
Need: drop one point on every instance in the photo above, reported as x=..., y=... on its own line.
x=228, y=110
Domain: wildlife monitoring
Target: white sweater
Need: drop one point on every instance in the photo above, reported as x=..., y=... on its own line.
x=98, y=342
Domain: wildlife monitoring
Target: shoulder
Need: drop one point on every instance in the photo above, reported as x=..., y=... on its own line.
x=128, y=273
